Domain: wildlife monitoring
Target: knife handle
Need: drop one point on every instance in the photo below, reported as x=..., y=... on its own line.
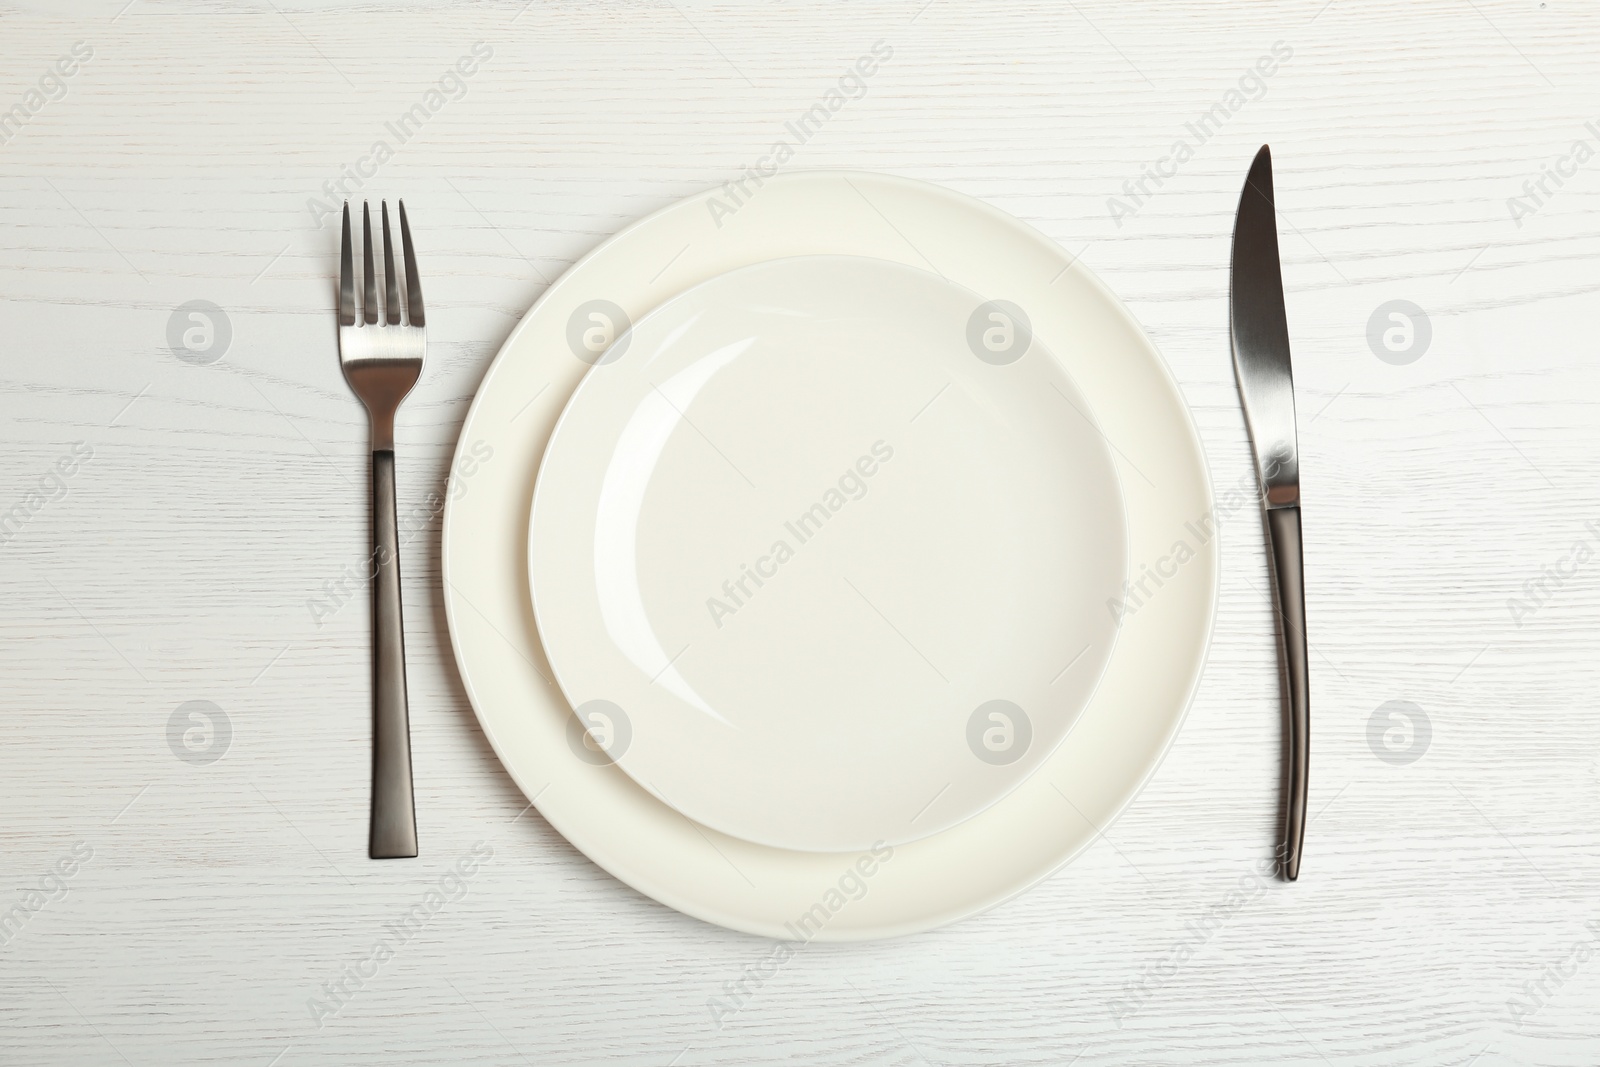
x=1289, y=592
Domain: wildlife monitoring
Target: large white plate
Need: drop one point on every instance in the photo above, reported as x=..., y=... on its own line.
x=1165, y=617
x=828, y=546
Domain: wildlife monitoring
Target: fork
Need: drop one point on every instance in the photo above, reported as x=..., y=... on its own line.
x=382, y=360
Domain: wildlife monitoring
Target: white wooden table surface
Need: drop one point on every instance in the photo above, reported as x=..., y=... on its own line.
x=170, y=523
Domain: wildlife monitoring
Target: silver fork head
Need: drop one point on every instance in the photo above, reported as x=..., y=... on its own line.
x=382, y=357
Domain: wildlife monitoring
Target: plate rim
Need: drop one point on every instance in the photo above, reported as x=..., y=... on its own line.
x=597, y=852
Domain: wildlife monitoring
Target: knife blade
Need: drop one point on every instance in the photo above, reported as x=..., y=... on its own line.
x=1259, y=328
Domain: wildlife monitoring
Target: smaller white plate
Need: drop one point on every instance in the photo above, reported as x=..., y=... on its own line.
x=821, y=552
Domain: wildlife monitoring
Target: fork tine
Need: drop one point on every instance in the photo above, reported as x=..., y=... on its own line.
x=369, y=286
x=391, y=281
x=413, y=287
x=347, y=276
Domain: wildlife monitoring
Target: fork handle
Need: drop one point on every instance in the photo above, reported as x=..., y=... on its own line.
x=394, y=817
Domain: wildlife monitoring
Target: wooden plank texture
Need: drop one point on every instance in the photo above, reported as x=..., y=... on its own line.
x=1447, y=908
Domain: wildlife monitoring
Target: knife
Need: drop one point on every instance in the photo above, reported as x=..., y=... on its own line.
x=1260, y=332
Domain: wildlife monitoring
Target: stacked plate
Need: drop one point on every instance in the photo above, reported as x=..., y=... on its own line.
x=829, y=561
